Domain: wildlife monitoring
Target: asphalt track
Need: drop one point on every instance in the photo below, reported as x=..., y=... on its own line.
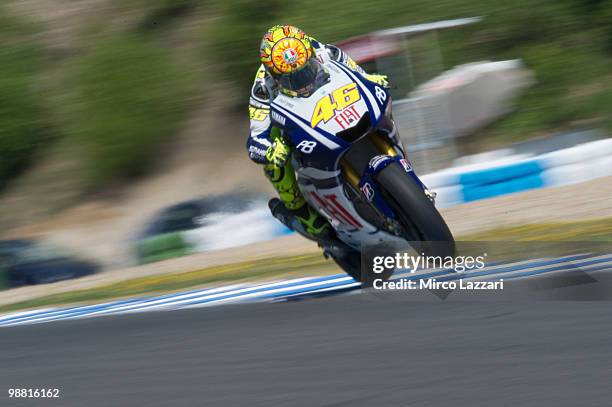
x=349, y=350
x=586, y=276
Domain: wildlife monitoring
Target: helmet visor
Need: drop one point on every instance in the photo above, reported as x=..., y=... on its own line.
x=305, y=81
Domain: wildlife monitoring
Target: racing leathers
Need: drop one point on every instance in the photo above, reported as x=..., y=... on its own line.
x=266, y=146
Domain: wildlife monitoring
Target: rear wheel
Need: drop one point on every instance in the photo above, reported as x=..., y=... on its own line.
x=423, y=225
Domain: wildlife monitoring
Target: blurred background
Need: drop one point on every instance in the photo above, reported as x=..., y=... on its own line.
x=123, y=122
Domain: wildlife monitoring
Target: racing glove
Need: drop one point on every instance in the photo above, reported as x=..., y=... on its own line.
x=278, y=153
x=382, y=80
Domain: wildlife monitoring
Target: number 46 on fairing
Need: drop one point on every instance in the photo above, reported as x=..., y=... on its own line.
x=339, y=100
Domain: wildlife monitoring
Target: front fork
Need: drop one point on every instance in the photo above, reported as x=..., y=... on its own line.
x=365, y=183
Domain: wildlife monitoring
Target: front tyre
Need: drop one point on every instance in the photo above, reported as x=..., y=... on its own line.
x=420, y=219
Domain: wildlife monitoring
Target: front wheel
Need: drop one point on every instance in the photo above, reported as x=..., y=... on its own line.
x=423, y=225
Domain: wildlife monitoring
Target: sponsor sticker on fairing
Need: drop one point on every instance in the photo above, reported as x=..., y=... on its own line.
x=406, y=165
x=377, y=160
x=368, y=191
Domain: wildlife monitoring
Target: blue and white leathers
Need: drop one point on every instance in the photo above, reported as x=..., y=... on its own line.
x=318, y=151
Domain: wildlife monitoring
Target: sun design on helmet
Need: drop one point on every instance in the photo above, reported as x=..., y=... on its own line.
x=285, y=49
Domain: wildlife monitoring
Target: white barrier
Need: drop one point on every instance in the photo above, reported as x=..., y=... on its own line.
x=572, y=165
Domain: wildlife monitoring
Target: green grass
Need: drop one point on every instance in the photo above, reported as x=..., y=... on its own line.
x=585, y=231
x=304, y=265
x=116, y=97
x=263, y=269
x=540, y=240
x=22, y=117
x=129, y=99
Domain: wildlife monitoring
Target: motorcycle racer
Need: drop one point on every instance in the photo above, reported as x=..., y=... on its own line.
x=293, y=63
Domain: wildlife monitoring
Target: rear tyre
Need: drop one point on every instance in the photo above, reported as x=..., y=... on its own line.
x=424, y=226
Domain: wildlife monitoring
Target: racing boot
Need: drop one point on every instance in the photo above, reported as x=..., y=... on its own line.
x=305, y=220
x=292, y=209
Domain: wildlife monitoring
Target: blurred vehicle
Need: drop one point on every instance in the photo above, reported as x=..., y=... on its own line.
x=24, y=262
x=206, y=224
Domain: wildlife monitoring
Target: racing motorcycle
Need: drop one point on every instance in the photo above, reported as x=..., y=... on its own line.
x=352, y=168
